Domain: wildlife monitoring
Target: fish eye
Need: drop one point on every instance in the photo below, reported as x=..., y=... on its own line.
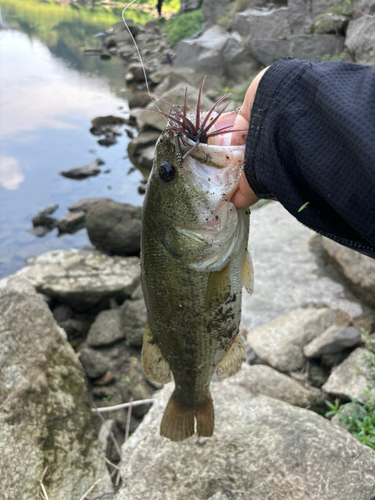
x=167, y=172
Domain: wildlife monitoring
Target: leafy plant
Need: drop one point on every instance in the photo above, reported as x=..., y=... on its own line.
x=183, y=26
x=330, y=57
x=356, y=418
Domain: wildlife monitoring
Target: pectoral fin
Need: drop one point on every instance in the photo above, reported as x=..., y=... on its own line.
x=154, y=364
x=232, y=361
x=248, y=273
x=218, y=288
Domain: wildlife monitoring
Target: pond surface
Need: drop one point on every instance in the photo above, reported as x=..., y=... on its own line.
x=49, y=94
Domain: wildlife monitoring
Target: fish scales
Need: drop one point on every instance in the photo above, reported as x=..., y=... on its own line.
x=194, y=262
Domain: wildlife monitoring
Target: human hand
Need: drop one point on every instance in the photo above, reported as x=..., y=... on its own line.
x=245, y=196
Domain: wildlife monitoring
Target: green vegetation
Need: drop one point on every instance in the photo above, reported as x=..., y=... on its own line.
x=236, y=6
x=358, y=419
x=343, y=8
x=239, y=91
x=183, y=26
x=329, y=57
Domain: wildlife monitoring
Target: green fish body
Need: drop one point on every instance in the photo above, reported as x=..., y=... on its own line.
x=194, y=262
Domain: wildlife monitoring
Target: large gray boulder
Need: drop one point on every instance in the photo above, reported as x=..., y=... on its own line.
x=315, y=46
x=81, y=278
x=263, y=24
x=45, y=419
x=332, y=341
x=281, y=342
x=213, y=10
x=302, y=15
x=206, y=54
x=261, y=448
x=360, y=40
x=354, y=377
x=115, y=227
x=262, y=379
x=358, y=269
x=292, y=277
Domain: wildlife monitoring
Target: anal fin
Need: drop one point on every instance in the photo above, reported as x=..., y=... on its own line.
x=232, y=361
x=154, y=364
x=248, y=273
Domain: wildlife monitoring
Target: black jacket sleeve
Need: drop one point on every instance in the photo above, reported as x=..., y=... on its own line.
x=311, y=146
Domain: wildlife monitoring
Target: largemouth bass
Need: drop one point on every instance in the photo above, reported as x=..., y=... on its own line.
x=195, y=261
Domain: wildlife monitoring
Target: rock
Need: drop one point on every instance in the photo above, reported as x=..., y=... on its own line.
x=332, y=341
x=317, y=375
x=205, y=54
x=261, y=379
x=158, y=76
x=331, y=360
x=293, y=277
x=44, y=220
x=88, y=170
x=146, y=158
x=45, y=418
x=261, y=448
x=268, y=51
x=82, y=278
x=353, y=377
x=71, y=222
x=188, y=5
x=263, y=24
x=85, y=204
x=107, y=141
x=281, y=342
x=139, y=100
x=213, y=10
x=361, y=7
x=358, y=269
x=114, y=227
x=330, y=23
x=49, y=210
x=303, y=15
x=360, y=40
x=136, y=74
x=106, y=329
x=62, y=312
x=75, y=328
x=106, y=125
x=175, y=95
x=315, y=46
x=105, y=434
x=348, y=410
x=94, y=363
x=133, y=319
x=137, y=145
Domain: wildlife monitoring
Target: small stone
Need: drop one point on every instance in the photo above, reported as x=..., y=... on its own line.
x=44, y=220
x=317, y=375
x=106, y=379
x=106, y=329
x=332, y=341
x=88, y=170
x=107, y=141
x=332, y=360
x=133, y=319
x=74, y=328
x=71, y=222
x=94, y=363
x=139, y=100
x=85, y=204
x=49, y=210
x=62, y=312
x=354, y=377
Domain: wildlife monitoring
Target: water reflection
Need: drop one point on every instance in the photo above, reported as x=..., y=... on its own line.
x=50, y=93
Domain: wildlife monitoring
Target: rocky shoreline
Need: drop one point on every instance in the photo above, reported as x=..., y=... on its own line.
x=72, y=321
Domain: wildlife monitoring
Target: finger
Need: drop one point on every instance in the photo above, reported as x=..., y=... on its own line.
x=244, y=196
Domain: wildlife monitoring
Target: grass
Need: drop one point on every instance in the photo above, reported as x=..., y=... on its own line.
x=330, y=57
x=183, y=26
x=358, y=419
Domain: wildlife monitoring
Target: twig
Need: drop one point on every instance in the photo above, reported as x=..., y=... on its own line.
x=123, y=405
x=90, y=490
x=127, y=431
x=118, y=449
x=41, y=481
x=44, y=491
x=111, y=464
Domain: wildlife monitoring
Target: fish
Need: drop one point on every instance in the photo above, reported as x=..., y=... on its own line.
x=194, y=263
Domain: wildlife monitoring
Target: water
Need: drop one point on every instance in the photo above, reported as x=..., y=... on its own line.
x=49, y=94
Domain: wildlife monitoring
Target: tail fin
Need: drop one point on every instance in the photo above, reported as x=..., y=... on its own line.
x=178, y=421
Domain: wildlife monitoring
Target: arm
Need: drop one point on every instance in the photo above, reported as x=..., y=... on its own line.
x=311, y=144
